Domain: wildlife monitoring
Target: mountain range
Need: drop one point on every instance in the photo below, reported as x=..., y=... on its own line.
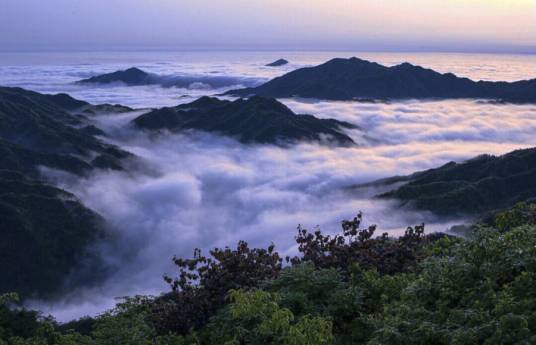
x=39, y=131
x=135, y=77
x=353, y=78
x=253, y=120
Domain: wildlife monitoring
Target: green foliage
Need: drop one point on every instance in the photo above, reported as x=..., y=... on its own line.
x=27, y=327
x=481, y=294
x=522, y=213
x=38, y=130
x=256, y=317
x=306, y=290
x=125, y=324
x=203, y=283
x=16, y=322
x=57, y=244
x=482, y=184
x=480, y=290
x=84, y=326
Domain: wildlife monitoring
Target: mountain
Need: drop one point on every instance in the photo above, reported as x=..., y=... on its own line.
x=135, y=77
x=479, y=185
x=353, y=78
x=277, y=63
x=253, y=120
x=45, y=232
x=46, y=128
x=131, y=76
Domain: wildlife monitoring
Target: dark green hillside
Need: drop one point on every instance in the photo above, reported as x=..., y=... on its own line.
x=253, y=120
x=41, y=123
x=482, y=184
x=45, y=233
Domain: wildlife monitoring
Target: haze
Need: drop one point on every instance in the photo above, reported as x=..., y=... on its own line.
x=391, y=25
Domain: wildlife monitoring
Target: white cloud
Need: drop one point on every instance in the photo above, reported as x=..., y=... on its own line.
x=200, y=190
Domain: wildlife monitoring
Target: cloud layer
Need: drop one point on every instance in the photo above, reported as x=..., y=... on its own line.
x=200, y=190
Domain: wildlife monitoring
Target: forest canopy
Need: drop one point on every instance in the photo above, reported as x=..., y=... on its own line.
x=354, y=287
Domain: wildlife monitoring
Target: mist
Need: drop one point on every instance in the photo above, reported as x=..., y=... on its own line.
x=197, y=190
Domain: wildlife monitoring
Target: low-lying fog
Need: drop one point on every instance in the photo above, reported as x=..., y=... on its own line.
x=200, y=190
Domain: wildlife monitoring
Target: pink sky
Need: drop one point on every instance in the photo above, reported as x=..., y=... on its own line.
x=472, y=25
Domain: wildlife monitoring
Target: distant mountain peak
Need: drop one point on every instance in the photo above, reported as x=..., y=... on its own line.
x=134, y=70
x=356, y=59
x=354, y=78
x=406, y=65
x=277, y=63
x=130, y=76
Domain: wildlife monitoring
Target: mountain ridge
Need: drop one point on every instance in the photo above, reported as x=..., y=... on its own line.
x=253, y=120
x=55, y=229
x=353, y=78
x=482, y=184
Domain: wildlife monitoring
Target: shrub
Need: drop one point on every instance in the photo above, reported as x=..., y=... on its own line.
x=203, y=283
x=482, y=293
x=358, y=246
x=257, y=318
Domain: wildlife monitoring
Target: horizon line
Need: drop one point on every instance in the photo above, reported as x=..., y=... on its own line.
x=527, y=51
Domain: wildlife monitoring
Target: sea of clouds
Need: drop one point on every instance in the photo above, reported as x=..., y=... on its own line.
x=193, y=190
x=200, y=190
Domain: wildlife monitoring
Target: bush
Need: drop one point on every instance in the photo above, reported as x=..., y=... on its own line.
x=28, y=327
x=257, y=318
x=358, y=246
x=203, y=283
x=483, y=293
x=346, y=289
x=522, y=213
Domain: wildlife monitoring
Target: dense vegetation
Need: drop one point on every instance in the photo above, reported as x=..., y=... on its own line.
x=353, y=78
x=482, y=184
x=44, y=231
x=352, y=287
x=348, y=288
x=253, y=120
x=55, y=230
x=44, y=124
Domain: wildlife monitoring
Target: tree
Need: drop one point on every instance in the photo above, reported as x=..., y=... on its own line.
x=203, y=283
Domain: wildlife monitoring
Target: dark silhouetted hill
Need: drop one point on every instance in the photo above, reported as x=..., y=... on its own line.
x=131, y=76
x=253, y=120
x=45, y=232
x=43, y=126
x=482, y=184
x=277, y=63
x=135, y=77
x=348, y=79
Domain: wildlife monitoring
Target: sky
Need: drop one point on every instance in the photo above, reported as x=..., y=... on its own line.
x=374, y=25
